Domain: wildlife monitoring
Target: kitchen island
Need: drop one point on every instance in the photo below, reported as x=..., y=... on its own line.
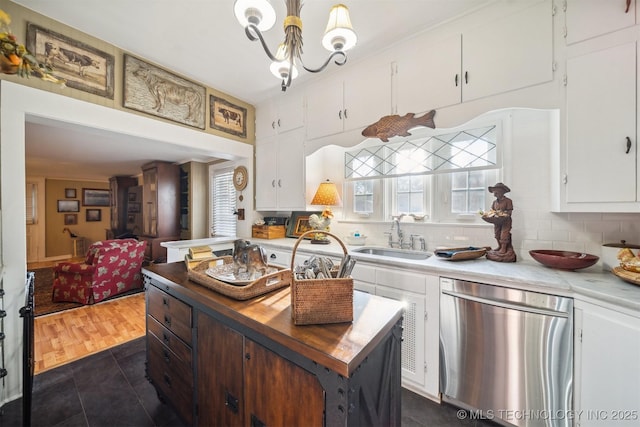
x=219, y=361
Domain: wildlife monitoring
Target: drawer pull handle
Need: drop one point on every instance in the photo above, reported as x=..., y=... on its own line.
x=167, y=359
x=255, y=422
x=628, y=145
x=231, y=402
x=167, y=320
x=165, y=338
x=165, y=301
x=167, y=379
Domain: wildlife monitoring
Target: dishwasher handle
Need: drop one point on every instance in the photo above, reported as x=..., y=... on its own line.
x=508, y=305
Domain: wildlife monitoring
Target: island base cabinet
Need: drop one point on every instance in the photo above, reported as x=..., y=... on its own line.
x=275, y=388
x=220, y=362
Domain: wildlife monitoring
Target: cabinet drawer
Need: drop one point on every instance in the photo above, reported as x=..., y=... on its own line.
x=168, y=339
x=172, y=378
x=172, y=313
x=180, y=370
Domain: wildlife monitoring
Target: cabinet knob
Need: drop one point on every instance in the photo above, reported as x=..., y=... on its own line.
x=345, y=114
x=628, y=145
x=273, y=256
x=340, y=114
x=279, y=183
x=273, y=183
x=273, y=125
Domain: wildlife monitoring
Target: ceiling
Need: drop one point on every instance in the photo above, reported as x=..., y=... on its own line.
x=201, y=40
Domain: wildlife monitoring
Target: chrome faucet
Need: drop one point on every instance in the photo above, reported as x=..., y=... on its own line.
x=396, y=224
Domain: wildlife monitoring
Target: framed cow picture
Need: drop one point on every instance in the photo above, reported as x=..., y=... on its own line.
x=82, y=66
x=227, y=117
x=155, y=91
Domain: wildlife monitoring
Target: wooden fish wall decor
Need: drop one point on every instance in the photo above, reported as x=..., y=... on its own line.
x=395, y=125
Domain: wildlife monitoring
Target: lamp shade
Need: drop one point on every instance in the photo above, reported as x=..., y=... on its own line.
x=280, y=68
x=257, y=12
x=327, y=195
x=339, y=34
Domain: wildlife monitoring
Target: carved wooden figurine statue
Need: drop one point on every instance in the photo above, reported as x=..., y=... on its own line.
x=500, y=217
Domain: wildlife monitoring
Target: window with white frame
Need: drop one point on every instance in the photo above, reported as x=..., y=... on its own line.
x=31, y=196
x=441, y=176
x=223, y=202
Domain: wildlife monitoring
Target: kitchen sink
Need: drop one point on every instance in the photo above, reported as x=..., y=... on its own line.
x=392, y=252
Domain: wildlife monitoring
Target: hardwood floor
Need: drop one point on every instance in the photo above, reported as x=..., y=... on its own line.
x=73, y=334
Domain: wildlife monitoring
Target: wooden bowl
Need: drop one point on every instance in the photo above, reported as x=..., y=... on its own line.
x=563, y=260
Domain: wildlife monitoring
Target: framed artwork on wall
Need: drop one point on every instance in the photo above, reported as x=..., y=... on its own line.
x=155, y=91
x=68, y=206
x=227, y=117
x=82, y=66
x=96, y=197
x=93, y=215
x=70, y=193
x=70, y=219
x=299, y=223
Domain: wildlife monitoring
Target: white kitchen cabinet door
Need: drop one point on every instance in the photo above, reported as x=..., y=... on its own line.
x=324, y=107
x=590, y=18
x=601, y=120
x=367, y=95
x=413, y=335
x=291, y=177
x=266, y=174
x=348, y=101
x=432, y=336
x=429, y=77
x=282, y=113
x=607, y=369
x=513, y=52
x=280, y=178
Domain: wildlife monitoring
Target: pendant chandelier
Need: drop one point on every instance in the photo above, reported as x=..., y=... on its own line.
x=257, y=16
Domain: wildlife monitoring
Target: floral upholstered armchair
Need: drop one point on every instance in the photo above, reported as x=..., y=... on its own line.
x=111, y=267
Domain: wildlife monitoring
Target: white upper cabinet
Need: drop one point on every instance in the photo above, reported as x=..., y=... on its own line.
x=601, y=121
x=513, y=52
x=507, y=53
x=282, y=113
x=429, y=76
x=591, y=18
x=280, y=173
x=349, y=100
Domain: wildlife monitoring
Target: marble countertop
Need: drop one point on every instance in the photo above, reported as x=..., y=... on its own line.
x=590, y=284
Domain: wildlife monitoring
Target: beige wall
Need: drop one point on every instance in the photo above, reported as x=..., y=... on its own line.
x=58, y=242
x=20, y=16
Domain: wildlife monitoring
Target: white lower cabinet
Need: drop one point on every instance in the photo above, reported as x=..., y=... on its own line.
x=607, y=367
x=420, y=334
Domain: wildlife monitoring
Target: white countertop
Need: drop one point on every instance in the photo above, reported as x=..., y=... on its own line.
x=590, y=284
x=183, y=244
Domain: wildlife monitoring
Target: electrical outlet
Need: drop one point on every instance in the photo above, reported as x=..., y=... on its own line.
x=241, y=214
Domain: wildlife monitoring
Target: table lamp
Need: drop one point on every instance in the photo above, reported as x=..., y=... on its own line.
x=326, y=195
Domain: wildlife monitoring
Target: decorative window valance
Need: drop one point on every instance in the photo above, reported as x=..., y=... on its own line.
x=421, y=155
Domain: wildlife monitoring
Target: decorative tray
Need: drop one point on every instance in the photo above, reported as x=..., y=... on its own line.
x=209, y=273
x=460, y=254
x=627, y=276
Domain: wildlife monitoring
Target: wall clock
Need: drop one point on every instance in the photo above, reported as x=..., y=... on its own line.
x=240, y=178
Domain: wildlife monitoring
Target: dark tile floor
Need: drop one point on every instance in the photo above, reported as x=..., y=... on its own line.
x=110, y=389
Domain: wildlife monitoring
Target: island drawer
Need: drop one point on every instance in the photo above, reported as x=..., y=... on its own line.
x=169, y=339
x=170, y=312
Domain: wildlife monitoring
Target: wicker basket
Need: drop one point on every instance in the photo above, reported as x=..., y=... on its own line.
x=320, y=301
x=267, y=283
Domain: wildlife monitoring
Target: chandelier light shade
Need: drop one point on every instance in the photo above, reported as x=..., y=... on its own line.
x=257, y=16
x=339, y=34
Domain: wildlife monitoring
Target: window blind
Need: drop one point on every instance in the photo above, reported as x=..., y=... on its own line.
x=223, y=202
x=31, y=193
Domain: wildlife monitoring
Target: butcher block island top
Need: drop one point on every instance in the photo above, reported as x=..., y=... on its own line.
x=341, y=347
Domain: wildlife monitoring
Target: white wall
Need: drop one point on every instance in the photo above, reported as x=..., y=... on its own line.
x=17, y=103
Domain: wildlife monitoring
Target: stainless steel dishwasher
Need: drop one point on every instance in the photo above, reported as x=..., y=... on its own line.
x=506, y=354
